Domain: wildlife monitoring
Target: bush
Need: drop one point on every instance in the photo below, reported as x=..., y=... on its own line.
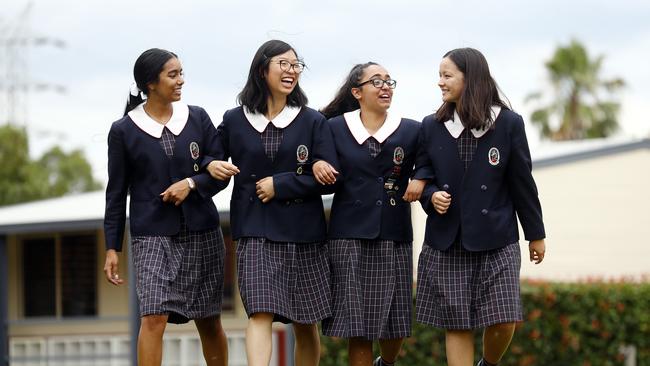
x=566, y=324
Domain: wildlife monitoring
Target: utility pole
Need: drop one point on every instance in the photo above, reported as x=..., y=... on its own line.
x=16, y=40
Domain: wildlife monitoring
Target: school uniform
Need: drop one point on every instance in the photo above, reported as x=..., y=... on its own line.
x=177, y=251
x=370, y=233
x=468, y=272
x=281, y=261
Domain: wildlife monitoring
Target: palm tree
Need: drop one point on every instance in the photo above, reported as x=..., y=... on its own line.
x=577, y=102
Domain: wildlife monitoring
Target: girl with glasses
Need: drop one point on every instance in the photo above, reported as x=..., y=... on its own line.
x=177, y=249
x=468, y=272
x=277, y=214
x=370, y=234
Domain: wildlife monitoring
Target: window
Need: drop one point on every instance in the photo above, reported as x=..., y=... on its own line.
x=60, y=276
x=40, y=277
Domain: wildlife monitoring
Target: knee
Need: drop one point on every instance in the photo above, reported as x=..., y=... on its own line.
x=305, y=330
x=261, y=318
x=502, y=328
x=209, y=326
x=153, y=323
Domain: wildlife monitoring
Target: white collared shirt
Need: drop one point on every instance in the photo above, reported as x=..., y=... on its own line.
x=282, y=120
x=455, y=126
x=358, y=130
x=176, y=123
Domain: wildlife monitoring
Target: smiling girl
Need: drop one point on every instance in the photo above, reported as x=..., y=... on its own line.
x=276, y=211
x=154, y=153
x=370, y=234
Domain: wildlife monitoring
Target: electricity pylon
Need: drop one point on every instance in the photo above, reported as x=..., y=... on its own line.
x=16, y=85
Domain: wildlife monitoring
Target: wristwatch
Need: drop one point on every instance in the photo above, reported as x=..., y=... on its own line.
x=190, y=182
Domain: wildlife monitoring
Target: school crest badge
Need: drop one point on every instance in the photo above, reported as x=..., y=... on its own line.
x=398, y=156
x=494, y=156
x=194, y=150
x=302, y=154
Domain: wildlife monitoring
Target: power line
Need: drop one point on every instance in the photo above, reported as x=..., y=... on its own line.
x=16, y=85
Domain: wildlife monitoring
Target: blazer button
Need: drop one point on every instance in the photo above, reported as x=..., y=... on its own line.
x=287, y=203
x=253, y=176
x=445, y=187
x=379, y=203
x=251, y=199
x=483, y=187
x=484, y=211
x=357, y=203
x=380, y=180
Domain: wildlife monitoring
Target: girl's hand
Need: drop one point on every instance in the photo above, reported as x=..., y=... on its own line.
x=177, y=192
x=414, y=190
x=222, y=170
x=264, y=189
x=441, y=201
x=324, y=173
x=537, y=250
x=111, y=268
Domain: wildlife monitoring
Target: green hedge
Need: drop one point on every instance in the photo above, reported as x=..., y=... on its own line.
x=566, y=324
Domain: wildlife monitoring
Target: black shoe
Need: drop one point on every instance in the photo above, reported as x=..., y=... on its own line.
x=482, y=362
x=380, y=362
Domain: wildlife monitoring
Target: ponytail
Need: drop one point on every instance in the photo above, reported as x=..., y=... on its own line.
x=344, y=101
x=146, y=70
x=134, y=99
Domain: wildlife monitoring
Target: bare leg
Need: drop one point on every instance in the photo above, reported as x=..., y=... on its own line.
x=258, y=339
x=307, y=350
x=460, y=347
x=150, y=340
x=496, y=339
x=390, y=349
x=359, y=352
x=213, y=341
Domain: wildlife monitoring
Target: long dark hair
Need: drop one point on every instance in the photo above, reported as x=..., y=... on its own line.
x=480, y=91
x=344, y=101
x=147, y=70
x=256, y=92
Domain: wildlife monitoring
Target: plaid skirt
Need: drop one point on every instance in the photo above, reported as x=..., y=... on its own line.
x=372, y=289
x=289, y=280
x=459, y=289
x=180, y=275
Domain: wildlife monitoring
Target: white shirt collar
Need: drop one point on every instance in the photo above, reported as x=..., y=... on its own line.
x=282, y=120
x=455, y=126
x=180, y=114
x=353, y=120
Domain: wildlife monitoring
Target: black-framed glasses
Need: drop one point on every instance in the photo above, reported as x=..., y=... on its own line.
x=379, y=83
x=285, y=65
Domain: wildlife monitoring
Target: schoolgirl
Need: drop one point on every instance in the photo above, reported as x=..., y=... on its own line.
x=276, y=209
x=154, y=154
x=468, y=272
x=370, y=233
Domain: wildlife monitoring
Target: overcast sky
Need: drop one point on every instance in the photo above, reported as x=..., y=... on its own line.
x=217, y=39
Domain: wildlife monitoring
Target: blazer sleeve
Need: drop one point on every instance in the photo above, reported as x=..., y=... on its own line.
x=206, y=186
x=288, y=185
x=522, y=185
x=116, y=189
x=424, y=170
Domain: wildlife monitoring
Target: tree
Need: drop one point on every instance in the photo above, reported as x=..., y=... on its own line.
x=577, y=99
x=52, y=175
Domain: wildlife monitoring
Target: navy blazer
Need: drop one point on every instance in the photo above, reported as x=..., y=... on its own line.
x=296, y=212
x=137, y=165
x=362, y=206
x=486, y=199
